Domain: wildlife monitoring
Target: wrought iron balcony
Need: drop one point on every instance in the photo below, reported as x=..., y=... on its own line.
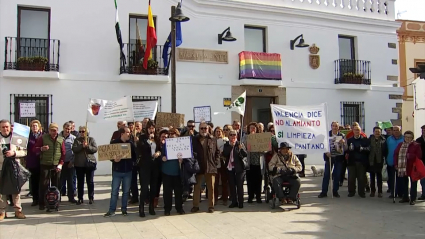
x=348, y=71
x=134, y=54
x=31, y=54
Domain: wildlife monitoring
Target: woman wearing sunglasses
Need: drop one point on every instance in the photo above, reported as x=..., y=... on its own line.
x=84, y=163
x=234, y=152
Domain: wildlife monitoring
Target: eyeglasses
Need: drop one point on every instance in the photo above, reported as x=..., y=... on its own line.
x=191, y=126
x=203, y=128
x=226, y=129
x=232, y=134
x=82, y=131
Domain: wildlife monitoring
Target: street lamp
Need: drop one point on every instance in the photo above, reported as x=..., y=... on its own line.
x=176, y=16
x=301, y=44
x=420, y=70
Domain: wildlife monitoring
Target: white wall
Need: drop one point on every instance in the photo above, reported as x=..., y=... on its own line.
x=89, y=56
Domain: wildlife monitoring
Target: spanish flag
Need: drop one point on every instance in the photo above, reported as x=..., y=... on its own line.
x=150, y=38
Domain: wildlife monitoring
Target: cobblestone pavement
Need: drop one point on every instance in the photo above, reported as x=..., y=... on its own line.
x=318, y=218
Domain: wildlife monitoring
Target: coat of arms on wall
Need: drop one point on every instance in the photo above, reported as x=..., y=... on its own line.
x=314, y=58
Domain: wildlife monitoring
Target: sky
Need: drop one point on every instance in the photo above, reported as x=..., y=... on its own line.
x=410, y=9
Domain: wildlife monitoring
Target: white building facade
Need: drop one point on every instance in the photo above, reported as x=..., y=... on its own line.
x=355, y=38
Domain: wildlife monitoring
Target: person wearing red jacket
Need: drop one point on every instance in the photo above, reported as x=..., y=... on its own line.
x=404, y=156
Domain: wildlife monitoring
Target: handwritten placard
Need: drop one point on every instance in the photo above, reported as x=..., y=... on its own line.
x=304, y=128
x=202, y=113
x=27, y=110
x=259, y=142
x=169, y=119
x=110, y=151
x=180, y=147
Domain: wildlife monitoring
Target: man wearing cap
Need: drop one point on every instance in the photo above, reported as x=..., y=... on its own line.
x=52, y=156
x=285, y=165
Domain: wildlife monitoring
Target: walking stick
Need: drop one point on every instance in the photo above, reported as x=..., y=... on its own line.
x=330, y=175
x=395, y=180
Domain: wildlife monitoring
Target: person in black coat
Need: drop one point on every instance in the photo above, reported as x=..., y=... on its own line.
x=378, y=152
x=234, y=152
x=421, y=141
x=149, y=168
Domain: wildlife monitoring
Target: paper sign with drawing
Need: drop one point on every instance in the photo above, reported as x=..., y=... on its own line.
x=179, y=147
x=336, y=148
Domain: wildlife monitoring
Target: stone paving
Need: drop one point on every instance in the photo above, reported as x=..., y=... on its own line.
x=318, y=218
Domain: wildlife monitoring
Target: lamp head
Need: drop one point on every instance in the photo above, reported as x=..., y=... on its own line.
x=228, y=37
x=178, y=15
x=302, y=44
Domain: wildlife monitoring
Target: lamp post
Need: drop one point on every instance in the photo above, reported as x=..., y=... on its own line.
x=176, y=16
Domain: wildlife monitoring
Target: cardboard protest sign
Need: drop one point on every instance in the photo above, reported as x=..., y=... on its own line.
x=110, y=151
x=180, y=147
x=202, y=113
x=259, y=142
x=169, y=119
x=20, y=135
x=304, y=128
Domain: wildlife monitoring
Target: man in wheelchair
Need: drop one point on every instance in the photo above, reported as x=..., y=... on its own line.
x=284, y=167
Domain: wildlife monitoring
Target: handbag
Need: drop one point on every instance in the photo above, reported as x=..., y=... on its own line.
x=384, y=173
x=418, y=170
x=245, y=163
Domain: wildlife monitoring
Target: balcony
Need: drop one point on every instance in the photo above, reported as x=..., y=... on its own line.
x=31, y=58
x=260, y=68
x=348, y=71
x=133, y=69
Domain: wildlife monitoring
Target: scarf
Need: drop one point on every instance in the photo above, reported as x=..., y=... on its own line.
x=402, y=159
x=231, y=164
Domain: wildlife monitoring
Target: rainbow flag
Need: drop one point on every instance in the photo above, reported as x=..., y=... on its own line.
x=260, y=65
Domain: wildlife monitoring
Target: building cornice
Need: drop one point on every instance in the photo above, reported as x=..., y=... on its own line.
x=287, y=16
x=411, y=31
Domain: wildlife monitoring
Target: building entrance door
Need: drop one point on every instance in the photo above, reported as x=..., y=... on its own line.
x=258, y=110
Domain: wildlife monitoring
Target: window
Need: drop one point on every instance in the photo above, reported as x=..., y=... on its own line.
x=43, y=109
x=33, y=32
x=346, y=47
x=137, y=32
x=255, y=39
x=419, y=62
x=353, y=112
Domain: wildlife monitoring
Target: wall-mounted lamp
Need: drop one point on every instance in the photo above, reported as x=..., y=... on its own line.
x=228, y=36
x=419, y=70
x=178, y=15
x=301, y=44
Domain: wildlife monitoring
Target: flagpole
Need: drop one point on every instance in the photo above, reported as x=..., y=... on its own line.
x=173, y=63
x=86, y=138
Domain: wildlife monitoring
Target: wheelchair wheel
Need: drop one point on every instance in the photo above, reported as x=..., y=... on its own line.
x=268, y=195
x=298, y=203
x=273, y=203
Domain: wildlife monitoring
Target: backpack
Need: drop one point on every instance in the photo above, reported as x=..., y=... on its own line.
x=52, y=198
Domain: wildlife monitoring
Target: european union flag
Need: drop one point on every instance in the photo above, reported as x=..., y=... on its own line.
x=167, y=44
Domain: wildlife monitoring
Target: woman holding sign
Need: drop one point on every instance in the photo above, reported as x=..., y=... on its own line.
x=234, y=152
x=148, y=159
x=171, y=177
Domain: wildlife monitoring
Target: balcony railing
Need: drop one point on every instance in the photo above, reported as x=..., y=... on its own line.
x=348, y=71
x=134, y=54
x=33, y=54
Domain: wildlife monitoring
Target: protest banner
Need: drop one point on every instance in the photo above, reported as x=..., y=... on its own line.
x=169, y=119
x=110, y=151
x=109, y=110
x=20, y=135
x=180, y=147
x=27, y=110
x=259, y=142
x=144, y=109
x=202, y=113
x=304, y=128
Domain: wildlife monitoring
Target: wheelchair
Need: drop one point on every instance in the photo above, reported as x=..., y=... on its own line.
x=271, y=195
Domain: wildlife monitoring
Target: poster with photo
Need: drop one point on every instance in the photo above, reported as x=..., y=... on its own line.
x=336, y=148
x=20, y=135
